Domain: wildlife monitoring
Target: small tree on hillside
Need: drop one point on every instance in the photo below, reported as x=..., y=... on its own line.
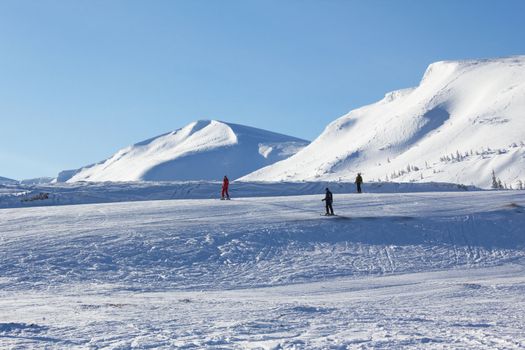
x=495, y=184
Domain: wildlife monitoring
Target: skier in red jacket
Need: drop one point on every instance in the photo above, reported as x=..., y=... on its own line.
x=225, y=184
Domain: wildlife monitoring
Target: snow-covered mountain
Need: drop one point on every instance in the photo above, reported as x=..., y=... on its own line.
x=464, y=120
x=202, y=150
x=37, y=181
x=6, y=181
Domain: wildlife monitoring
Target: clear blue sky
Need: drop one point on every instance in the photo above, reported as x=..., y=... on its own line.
x=81, y=79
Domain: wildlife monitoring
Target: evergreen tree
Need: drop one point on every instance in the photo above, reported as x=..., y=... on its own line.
x=495, y=184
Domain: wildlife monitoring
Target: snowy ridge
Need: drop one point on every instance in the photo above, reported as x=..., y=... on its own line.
x=6, y=181
x=37, y=181
x=465, y=119
x=202, y=150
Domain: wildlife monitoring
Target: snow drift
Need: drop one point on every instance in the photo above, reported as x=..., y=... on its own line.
x=202, y=150
x=464, y=120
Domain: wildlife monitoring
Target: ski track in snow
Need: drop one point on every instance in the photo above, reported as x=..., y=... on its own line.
x=409, y=270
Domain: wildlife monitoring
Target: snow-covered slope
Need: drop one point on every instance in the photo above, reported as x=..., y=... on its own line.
x=392, y=271
x=202, y=150
x=465, y=119
x=38, y=181
x=6, y=181
x=23, y=195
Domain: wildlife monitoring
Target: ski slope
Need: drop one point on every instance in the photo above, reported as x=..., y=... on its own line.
x=464, y=120
x=22, y=195
x=393, y=270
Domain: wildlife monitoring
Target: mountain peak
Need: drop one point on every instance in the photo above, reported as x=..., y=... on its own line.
x=201, y=150
x=464, y=120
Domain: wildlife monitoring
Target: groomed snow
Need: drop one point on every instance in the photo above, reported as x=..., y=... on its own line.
x=397, y=270
x=21, y=195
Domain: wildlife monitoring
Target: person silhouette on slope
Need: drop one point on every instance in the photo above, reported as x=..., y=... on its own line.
x=328, y=199
x=225, y=185
x=358, y=182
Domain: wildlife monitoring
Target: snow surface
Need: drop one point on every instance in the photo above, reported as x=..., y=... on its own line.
x=38, y=181
x=202, y=150
x=6, y=181
x=20, y=195
x=393, y=270
x=464, y=120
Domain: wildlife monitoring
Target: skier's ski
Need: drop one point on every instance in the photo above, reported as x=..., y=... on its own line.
x=335, y=216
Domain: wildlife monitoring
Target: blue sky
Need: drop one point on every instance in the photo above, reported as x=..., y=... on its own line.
x=81, y=79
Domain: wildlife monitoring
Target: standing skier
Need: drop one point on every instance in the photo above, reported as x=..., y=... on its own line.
x=328, y=199
x=358, y=182
x=225, y=184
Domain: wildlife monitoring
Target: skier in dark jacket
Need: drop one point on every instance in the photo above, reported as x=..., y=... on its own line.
x=328, y=199
x=225, y=185
x=358, y=182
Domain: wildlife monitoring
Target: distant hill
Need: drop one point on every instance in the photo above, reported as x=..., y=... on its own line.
x=464, y=120
x=37, y=181
x=6, y=181
x=202, y=150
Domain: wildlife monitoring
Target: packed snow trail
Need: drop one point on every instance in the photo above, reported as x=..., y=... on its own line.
x=389, y=271
x=20, y=195
x=257, y=242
